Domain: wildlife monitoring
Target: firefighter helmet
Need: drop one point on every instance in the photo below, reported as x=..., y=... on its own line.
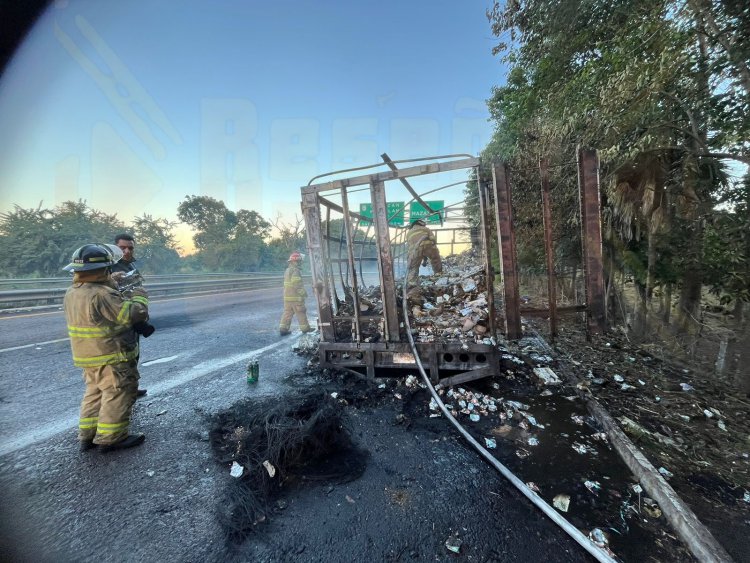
x=91, y=257
x=418, y=222
x=296, y=256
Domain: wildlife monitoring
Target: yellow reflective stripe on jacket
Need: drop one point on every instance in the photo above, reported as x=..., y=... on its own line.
x=140, y=299
x=95, y=331
x=88, y=423
x=299, y=299
x=107, y=428
x=124, y=315
x=106, y=359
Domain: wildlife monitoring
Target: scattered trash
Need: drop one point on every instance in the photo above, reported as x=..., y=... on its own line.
x=491, y=443
x=411, y=381
x=651, y=508
x=474, y=417
x=453, y=544
x=350, y=500
x=687, y=387
x=618, y=378
x=237, y=470
x=533, y=486
x=160, y=413
x=708, y=413
x=150, y=472
x=533, y=441
x=270, y=468
x=583, y=448
x=637, y=489
x=334, y=395
x=746, y=497
x=666, y=473
x=546, y=376
x=561, y=502
x=722, y=425
x=599, y=537
x=626, y=387
x=593, y=486
x=578, y=419
x=522, y=453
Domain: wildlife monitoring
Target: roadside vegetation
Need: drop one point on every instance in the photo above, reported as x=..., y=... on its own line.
x=662, y=90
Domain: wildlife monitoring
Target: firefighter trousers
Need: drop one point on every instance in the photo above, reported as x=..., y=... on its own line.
x=428, y=251
x=290, y=308
x=107, y=402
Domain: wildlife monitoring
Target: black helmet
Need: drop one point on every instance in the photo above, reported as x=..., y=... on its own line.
x=419, y=222
x=90, y=257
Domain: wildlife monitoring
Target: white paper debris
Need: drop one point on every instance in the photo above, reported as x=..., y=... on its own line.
x=270, y=468
x=237, y=470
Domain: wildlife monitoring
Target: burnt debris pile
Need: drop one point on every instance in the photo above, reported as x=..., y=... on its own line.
x=269, y=446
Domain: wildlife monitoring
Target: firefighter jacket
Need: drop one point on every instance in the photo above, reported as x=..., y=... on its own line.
x=418, y=238
x=294, y=290
x=100, y=323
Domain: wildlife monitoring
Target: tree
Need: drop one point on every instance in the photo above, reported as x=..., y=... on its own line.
x=226, y=241
x=659, y=89
x=39, y=242
x=156, y=245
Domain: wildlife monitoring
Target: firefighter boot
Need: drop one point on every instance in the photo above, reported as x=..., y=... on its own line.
x=129, y=442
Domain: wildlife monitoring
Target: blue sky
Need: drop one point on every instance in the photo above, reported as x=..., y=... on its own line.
x=134, y=105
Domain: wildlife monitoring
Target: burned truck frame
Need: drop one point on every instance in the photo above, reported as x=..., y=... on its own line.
x=342, y=243
x=357, y=336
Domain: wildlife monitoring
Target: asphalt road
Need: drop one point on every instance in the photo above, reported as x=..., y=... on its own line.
x=159, y=502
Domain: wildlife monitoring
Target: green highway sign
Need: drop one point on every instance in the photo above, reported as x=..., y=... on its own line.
x=394, y=210
x=417, y=211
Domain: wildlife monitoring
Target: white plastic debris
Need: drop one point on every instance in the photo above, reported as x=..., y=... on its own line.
x=721, y=425
x=533, y=441
x=618, y=378
x=381, y=386
x=474, y=417
x=666, y=473
x=411, y=381
x=533, y=486
x=746, y=497
x=453, y=544
x=150, y=473
x=491, y=443
x=237, y=470
x=547, y=376
x=708, y=413
x=578, y=419
x=641, y=382
x=637, y=489
x=598, y=537
x=334, y=395
x=270, y=468
x=433, y=404
x=626, y=387
x=593, y=486
x=687, y=387
x=561, y=502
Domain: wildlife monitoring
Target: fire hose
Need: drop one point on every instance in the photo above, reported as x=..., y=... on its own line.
x=571, y=530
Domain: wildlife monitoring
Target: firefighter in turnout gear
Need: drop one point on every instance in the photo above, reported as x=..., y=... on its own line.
x=422, y=246
x=294, y=296
x=104, y=343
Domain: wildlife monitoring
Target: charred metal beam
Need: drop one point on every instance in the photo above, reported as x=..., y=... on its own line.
x=432, y=168
x=591, y=238
x=549, y=249
x=507, y=243
x=407, y=185
x=352, y=270
x=487, y=244
x=311, y=213
x=385, y=262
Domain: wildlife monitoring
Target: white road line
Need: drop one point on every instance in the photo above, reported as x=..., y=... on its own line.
x=160, y=360
x=33, y=345
x=204, y=368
